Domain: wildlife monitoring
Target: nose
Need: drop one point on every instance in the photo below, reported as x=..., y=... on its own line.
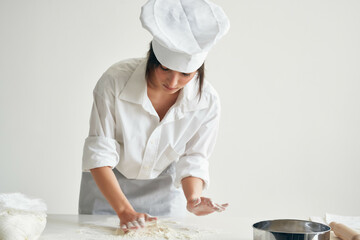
x=173, y=79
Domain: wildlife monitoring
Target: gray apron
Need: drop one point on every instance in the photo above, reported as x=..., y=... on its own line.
x=157, y=197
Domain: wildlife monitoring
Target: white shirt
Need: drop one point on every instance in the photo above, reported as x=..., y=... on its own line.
x=126, y=131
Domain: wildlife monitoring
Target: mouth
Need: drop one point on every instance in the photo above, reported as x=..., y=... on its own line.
x=169, y=88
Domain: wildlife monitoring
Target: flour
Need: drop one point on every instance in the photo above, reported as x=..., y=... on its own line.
x=161, y=229
x=21, y=218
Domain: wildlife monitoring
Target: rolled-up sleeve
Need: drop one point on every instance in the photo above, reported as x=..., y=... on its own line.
x=101, y=148
x=194, y=162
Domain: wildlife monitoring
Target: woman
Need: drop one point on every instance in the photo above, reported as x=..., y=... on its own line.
x=154, y=121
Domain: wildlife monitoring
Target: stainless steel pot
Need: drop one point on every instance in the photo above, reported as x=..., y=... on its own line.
x=290, y=229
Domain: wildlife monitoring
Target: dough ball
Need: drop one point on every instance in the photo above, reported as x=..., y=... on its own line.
x=21, y=226
x=21, y=218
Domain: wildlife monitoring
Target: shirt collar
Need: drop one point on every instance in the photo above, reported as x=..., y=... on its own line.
x=135, y=91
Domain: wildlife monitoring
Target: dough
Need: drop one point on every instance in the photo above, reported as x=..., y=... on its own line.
x=21, y=218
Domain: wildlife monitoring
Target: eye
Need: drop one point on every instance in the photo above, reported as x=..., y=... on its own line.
x=163, y=68
x=186, y=74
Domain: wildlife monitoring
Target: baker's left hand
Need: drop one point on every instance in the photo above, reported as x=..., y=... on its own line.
x=203, y=206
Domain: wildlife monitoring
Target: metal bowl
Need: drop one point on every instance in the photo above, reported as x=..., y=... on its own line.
x=290, y=229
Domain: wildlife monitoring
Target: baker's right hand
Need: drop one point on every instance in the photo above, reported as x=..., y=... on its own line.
x=132, y=220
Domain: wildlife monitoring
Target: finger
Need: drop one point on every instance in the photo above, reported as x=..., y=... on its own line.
x=141, y=222
x=225, y=205
x=136, y=224
x=219, y=208
x=216, y=208
x=130, y=225
x=124, y=227
x=149, y=218
x=212, y=204
x=152, y=219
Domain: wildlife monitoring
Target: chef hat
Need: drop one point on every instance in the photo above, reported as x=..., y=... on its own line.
x=183, y=31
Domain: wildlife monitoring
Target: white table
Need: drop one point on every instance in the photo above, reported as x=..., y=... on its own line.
x=68, y=227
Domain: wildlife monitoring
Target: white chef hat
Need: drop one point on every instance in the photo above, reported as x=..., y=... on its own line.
x=183, y=31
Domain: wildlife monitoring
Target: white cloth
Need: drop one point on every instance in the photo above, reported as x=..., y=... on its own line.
x=183, y=31
x=126, y=133
x=350, y=221
x=21, y=217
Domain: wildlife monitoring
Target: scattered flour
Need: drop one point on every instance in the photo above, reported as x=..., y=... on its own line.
x=161, y=229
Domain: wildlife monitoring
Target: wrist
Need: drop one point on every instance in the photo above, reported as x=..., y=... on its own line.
x=124, y=210
x=192, y=187
x=192, y=198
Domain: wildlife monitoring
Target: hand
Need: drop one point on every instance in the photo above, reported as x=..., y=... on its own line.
x=132, y=220
x=203, y=206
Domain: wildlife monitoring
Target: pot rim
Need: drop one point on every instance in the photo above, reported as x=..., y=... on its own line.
x=328, y=228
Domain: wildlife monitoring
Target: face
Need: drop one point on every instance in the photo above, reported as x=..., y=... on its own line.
x=170, y=81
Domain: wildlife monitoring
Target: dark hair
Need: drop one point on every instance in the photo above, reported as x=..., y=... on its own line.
x=153, y=63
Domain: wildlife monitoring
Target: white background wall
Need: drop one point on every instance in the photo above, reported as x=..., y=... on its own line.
x=287, y=74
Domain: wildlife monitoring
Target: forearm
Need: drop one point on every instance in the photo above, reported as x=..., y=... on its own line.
x=192, y=187
x=110, y=188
